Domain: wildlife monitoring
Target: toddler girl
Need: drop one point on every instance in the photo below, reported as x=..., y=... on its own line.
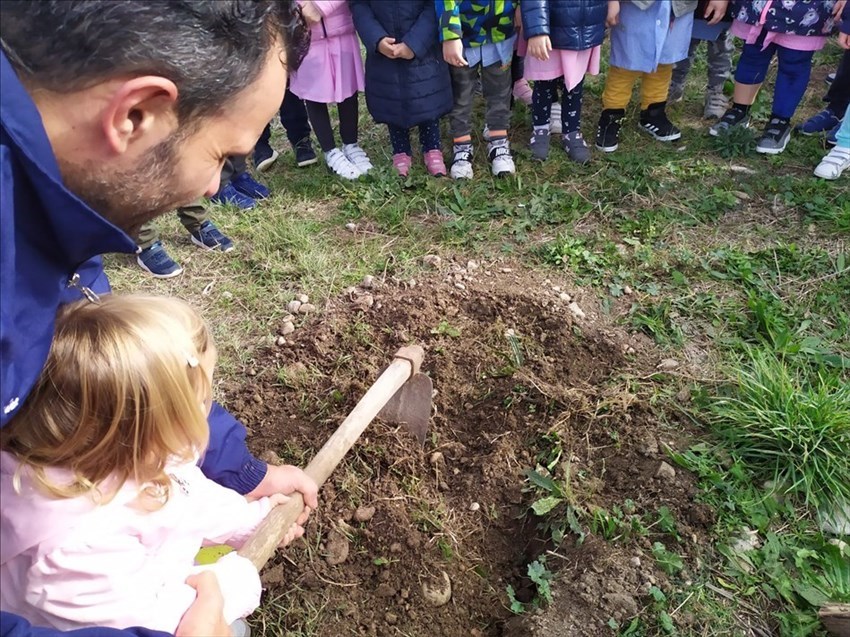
x=792, y=30
x=407, y=81
x=332, y=73
x=564, y=43
x=104, y=506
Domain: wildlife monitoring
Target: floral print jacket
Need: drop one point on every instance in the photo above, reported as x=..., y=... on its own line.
x=798, y=17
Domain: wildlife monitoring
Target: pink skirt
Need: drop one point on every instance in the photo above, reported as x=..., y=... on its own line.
x=571, y=65
x=331, y=72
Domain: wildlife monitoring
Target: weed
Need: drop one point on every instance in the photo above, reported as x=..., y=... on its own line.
x=736, y=141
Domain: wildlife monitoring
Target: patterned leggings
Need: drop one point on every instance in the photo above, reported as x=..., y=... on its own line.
x=429, y=137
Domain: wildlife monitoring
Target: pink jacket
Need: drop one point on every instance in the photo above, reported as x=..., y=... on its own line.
x=68, y=563
x=336, y=19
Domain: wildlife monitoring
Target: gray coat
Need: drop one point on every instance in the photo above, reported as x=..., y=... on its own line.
x=680, y=7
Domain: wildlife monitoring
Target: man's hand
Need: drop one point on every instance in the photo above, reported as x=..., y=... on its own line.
x=387, y=47
x=297, y=529
x=287, y=479
x=403, y=51
x=613, y=18
x=205, y=617
x=311, y=14
x=844, y=40
x=539, y=46
x=453, y=53
x=715, y=11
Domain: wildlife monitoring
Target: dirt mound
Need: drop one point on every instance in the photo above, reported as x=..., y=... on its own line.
x=522, y=370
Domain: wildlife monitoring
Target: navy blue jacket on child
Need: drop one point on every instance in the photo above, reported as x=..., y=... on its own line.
x=572, y=25
x=403, y=93
x=803, y=17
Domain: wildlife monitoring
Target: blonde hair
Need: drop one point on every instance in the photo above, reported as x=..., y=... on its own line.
x=119, y=398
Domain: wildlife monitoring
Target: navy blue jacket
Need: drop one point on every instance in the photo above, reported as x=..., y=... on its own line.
x=46, y=235
x=400, y=92
x=804, y=17
x=572, y=25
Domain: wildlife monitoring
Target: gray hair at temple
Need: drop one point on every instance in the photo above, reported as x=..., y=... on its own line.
x=211, y=50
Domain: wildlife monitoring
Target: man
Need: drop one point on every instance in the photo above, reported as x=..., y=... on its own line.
x=112, y=113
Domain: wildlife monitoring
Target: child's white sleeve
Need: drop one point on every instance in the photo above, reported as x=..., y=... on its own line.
x=240, y=585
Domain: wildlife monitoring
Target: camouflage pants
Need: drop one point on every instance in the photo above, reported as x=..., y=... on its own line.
x=191, y=216
x=719, y=61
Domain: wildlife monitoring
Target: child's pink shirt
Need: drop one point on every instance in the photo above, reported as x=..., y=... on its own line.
x=68, y=563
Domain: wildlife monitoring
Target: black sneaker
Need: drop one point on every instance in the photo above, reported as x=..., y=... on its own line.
x=608, y=131
x=775, y=137
x=654, y=121
x=304, y=153
x=733, y=117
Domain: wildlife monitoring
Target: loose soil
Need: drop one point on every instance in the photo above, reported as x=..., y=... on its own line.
x=517, y=376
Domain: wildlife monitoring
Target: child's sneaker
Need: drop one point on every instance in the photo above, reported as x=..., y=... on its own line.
x=250, y=187
x=676, y=93
x=540, y=144
x=304, y=153
x=228, y=195
x=775, y=137
x=264, y=157
x=654, y=121
x=155, y=261
x=555, y=124
x=209, y=237
x=715, y=104
x=522, y=91
x=733, y=117
x=576, y=147
x=340, y=164
x=829, y=79
x=501, y=161
x=608, y=130
x=821, y=122
x=434, y=163
x=402, y=163
x=358, y=157
x=834, y=163
x=832, y=136
x=462, y=161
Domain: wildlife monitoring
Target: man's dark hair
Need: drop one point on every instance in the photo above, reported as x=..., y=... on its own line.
x=210, y=49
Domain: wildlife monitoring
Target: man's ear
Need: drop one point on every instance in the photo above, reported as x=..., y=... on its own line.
x=140, y=107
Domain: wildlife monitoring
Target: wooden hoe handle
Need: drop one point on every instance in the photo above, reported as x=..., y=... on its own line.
x=261, y=546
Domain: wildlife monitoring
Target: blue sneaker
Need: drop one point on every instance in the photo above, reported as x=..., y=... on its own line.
x=821, y=122
x=209, y=237
x=832, y=137
x=155, y=261
x=247, y=185
x=229, y=195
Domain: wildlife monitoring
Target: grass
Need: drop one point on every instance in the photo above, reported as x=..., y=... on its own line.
x=733, y=263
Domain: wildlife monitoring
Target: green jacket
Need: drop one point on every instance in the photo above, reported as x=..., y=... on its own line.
x=476, y=22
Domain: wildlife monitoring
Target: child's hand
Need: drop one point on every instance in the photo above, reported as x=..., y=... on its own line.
x=387, y=47
x=206, y=614
x=297, y=529
x=539, y=46
x=613, y=18
x=403, y=51
x=715, y=11
x=453, y=53
x=844, y=40
x=311, y=14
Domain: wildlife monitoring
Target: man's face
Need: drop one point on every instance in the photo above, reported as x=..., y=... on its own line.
x=170, y=169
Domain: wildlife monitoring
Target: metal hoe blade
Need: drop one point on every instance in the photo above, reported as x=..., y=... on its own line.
x=411, y=405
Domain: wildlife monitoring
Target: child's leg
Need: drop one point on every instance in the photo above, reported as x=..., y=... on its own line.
x=429, y=135
x=655, y=86
x=795, y=68
x=571, y=109
x=681, y=70
x=463, y=87
x=751, y=71
x=349, y=119
x=320, y=120
x=400, y=140
x=496, y=84
x=719, y=61
x=843, y=137
x=618, y=88
x=541, y=103
x=838, y=95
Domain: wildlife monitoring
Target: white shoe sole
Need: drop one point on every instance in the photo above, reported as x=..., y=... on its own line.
x=264, y=165
x=764, y=150
x=607, y=149
x=662, y=138
x=306, y=162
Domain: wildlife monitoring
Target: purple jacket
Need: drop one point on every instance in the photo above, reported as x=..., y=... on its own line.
x=797, y=17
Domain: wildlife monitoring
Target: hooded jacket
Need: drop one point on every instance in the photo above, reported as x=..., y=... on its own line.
x=796, y=17
x=572, y=25
x=48, y=234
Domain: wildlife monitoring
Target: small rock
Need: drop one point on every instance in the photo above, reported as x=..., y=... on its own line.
x=630, y=350
x=506, y=270
x=287, y=328
x=748, y=540
x=272, y=576
x=257, y=398
x=627, y=290
x=566, y=298
x=665, y=472
x=303, y=298
x=227, y=295
x=459, y=285
x=668, y=365
x=385, y=590
x=635, y=561
x=391, y=619
x=437, y=458
x=684, y=395
x=306, y=308
x=472, y=265
x=364, y=514
x=395, y=547
x=336, y=551
x=293, y=307
x=365, y=301
x=432, y=260
x=437, y=591
x=280, y=341
x=474, y=506
x=252, y=372
x=411, y=283
x=576, y=310
x=367, y=282
x=622, y=605
x=351, y=227
x=649, y=446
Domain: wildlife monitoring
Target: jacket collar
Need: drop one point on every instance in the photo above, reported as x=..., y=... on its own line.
x=80, y=232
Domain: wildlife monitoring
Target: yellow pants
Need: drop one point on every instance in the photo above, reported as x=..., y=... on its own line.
x=653, y=89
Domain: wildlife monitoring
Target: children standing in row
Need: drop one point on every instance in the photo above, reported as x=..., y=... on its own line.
x=564, y=43
x=407, y=82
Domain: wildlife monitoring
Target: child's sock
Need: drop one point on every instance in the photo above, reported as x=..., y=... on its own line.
x=497, y=133
x=744, y=108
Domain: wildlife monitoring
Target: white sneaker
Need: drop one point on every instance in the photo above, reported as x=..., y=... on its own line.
x=834, y=163
x=501, y=162
x=341, y=165
x=555, y=119
x=462, y=162
x=358, y=157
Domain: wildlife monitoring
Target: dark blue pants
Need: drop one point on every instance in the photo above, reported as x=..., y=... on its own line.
x=795, y=67
x=293, y=116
